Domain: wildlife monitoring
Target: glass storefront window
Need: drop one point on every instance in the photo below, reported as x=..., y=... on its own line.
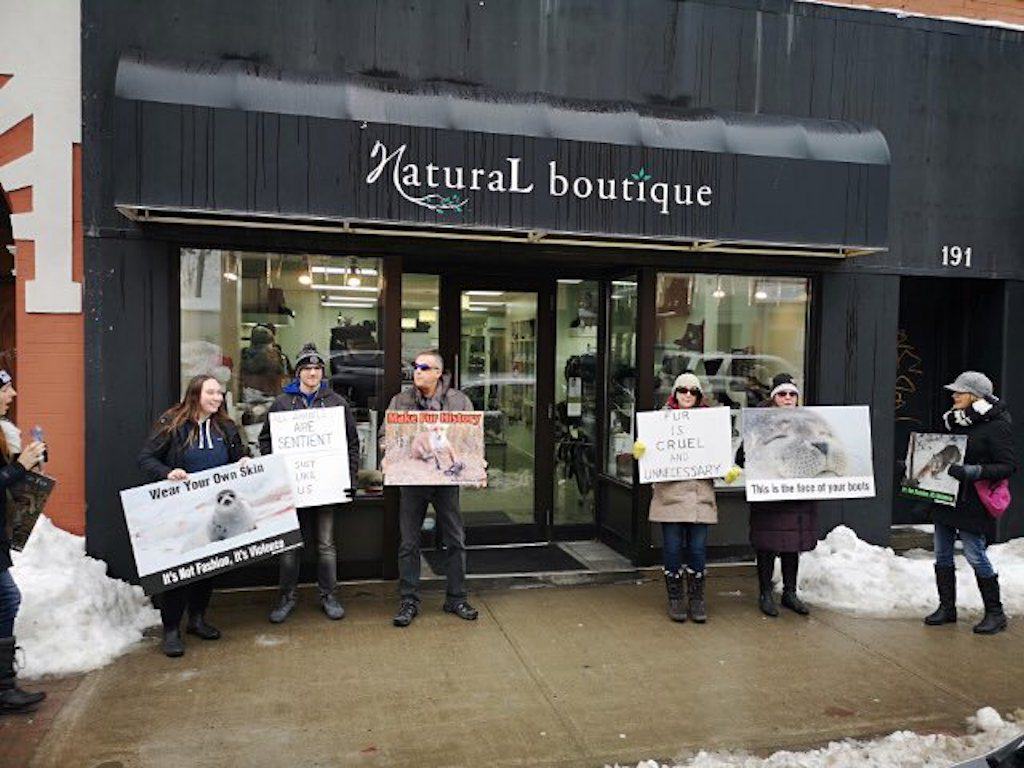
x=421, y=315
x=245, y=316
x=735, y=332
x=621, y=378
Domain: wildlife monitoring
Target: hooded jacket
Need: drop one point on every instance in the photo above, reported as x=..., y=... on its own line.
x=292, y=399
x=989, y=445
x=164, y=451
x=445, y=398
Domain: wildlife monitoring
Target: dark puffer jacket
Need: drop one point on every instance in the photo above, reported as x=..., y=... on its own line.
x=11, y=473
x=990, y=445
x=164, y=451
x=292, y=399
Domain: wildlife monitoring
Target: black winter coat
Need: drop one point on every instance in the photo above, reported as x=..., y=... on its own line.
x=292, y=399
x=10, y=474
x=164, y=451
x=990, y=445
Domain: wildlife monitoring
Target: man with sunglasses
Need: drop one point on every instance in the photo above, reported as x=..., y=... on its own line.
x=431, y=391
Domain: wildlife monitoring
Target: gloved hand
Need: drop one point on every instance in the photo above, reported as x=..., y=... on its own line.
x=731, y=476
x=639, y=449
x=964, y=471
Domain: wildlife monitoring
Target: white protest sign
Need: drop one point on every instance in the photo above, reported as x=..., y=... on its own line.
x=684, y=444
x=818, y=452
x=219, y=519
x=314, y=443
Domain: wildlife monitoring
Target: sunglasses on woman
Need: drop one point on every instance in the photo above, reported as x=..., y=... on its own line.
x=688, y=391
x=788, y=393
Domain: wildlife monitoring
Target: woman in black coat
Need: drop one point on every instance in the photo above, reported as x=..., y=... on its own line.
x=990, y=455
x=783, y=528
x=192, y=436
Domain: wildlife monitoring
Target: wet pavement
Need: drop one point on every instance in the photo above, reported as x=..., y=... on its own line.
x=550, y=676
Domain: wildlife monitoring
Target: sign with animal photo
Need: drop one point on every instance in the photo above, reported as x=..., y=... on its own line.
x=314, y=443
x=223, y=518
x=684, y=444
x=929, y=456
x=434, y=448
x=818, y=452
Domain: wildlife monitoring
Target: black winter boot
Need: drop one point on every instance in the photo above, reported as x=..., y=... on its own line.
x=765, y=571
x=676, y=596
x=197, y=626
x=12, y=698
x=695, y=586
x=994, y=619
x=172, y=645
x=945, y=584
x=790, y=568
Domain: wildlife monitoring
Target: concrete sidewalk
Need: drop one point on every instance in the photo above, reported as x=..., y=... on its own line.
x=555, y=676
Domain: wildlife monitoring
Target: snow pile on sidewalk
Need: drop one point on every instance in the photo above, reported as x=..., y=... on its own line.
x=73, y=617
x=989, y=731
x=846, y=574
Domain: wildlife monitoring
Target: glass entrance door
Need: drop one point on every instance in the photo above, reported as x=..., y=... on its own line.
x=502, y=341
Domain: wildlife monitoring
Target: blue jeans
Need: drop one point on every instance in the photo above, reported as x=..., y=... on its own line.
x=10, y=600
x=974, y=549
x=684, y=541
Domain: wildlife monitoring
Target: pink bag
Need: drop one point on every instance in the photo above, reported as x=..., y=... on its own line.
x=994, y=495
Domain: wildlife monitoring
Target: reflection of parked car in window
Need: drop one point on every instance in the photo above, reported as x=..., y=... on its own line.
x=737, y=380
x=357, y=375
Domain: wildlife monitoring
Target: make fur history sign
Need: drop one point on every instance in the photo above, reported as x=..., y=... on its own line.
x=219, y=519
x=314, y=443
x=816, y=452
x=434, y=448
x=929, y=455
x=684, y=444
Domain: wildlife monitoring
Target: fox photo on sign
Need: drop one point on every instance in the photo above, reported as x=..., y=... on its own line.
x=434, y=448
x=315, y=446
x=216, y=520
x=816, y=452
x=929, y=456
x=684, y=444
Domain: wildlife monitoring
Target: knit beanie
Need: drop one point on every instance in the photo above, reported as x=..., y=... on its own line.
x=783, y=382
x=687, y=380
x=309, y=358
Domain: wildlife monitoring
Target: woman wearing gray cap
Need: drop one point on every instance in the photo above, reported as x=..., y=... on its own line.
x=984, y=418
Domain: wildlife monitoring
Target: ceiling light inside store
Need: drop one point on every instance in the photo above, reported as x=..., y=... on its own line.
x=477, y=303
x=353, y=281
x=485, y=293
x=630, y=283
x=232, y=276
x=347, y=305
x=479, y=309
x=760, y=294
x=305, y=279
x=368, y=271
x=566, y=281
x=339, y=287
x=427, y=315
x=408, y=323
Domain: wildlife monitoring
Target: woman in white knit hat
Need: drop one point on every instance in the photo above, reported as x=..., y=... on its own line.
x=685, y=509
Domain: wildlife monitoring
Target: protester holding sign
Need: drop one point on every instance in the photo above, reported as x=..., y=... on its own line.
x=192, y=436
x=13, y=469
x=989, y=458
x=783, y=528
x=309, y=390
x=431, y=391
x=685, y=509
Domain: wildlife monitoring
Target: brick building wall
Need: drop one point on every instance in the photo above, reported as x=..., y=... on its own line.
x=1006, y=11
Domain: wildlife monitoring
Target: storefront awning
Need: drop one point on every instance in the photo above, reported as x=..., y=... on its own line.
x=233, y=143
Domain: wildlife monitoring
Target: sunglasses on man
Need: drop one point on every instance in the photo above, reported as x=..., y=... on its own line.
x=688, y=391
x=424, y=367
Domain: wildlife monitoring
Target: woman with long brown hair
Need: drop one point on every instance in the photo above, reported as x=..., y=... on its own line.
x=195, y=435
x=13, y=466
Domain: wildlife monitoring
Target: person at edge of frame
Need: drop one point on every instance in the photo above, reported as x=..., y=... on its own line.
x=431, y=391
x=780, y=528
x=984, y=418
x=310, y=390
x=686, y=509
x=14, y=463
x=195, y=435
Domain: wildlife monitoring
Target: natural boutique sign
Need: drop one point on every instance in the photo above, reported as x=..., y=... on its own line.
x=238, y=164
x=447, y=189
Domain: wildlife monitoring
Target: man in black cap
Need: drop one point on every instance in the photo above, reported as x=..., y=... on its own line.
x=309, y=390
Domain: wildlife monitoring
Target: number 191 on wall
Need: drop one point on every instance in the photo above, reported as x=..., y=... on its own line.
x=955, y=256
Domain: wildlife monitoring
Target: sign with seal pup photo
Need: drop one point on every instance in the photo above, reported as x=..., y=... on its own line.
x=219, y=519
x=684, y=444
x=929, y=455
x=434, y=448
x=816, y=452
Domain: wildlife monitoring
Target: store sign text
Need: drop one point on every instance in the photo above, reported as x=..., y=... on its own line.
x=414, y=182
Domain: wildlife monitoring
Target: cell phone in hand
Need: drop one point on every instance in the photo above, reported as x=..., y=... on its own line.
x=37, y=435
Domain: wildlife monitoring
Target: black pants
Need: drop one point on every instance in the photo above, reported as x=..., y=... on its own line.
x=766, y=569
x=412, y=509
x=195, y=596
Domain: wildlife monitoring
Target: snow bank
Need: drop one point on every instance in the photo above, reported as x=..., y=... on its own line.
x=73, y=617
x=850, y=575
x=901, y=748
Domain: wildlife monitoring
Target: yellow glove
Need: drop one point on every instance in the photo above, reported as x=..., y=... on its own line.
x=639, y=449
x=731, y=476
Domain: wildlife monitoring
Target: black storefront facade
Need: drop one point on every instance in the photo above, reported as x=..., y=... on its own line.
x=568, y=254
